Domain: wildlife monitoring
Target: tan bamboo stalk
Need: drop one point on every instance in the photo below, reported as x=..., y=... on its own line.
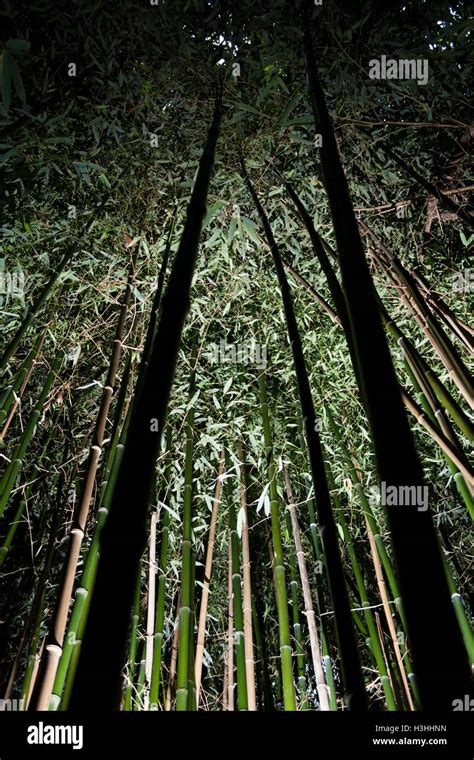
x=230, y=637
x=323, y=691
x=55, y=637
x=207, y=580
x=247, y=590
x=387, y=610
x=150, y=620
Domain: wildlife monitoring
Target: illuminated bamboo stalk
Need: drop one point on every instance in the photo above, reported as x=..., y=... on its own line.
x=286, y=664
x=388, y=614
x=77, y=621
x=321, y=687
x=187, y=588
x=150, y=621
x=161, y=595
x=207, y=579
x=229, y=660
x=238, y=637
x=247, y=588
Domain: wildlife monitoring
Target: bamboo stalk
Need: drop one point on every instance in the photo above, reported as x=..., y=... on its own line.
x=229, y=662
x=238, y=615
x=10, y=475
x=150, y=622
x=321, y=687
x=161, y=596
x=18, y=387
x=187, y=587
x=278, y=563
x=388, y=613
x=207, y=579
x=76, y=625
x=247, y=589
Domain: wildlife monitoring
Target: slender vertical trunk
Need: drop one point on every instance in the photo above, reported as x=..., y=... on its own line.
x=229, y=661
x=247, y=589
x=207, y=578
x=308, y=601
x=186, y=628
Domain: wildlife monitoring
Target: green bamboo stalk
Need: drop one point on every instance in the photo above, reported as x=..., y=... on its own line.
x=191, y=704
x=23, y=500
x=185, y=617
x=239, y=639
x=35, y=615
x=161, y=593
x=375, y=644
x=133, y=647
x=297, y=632
x=410, y=295
x=288, y=687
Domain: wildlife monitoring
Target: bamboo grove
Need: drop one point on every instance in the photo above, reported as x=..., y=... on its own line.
x=234, y=344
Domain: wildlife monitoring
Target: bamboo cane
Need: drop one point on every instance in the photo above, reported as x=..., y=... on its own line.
x=207, y=579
